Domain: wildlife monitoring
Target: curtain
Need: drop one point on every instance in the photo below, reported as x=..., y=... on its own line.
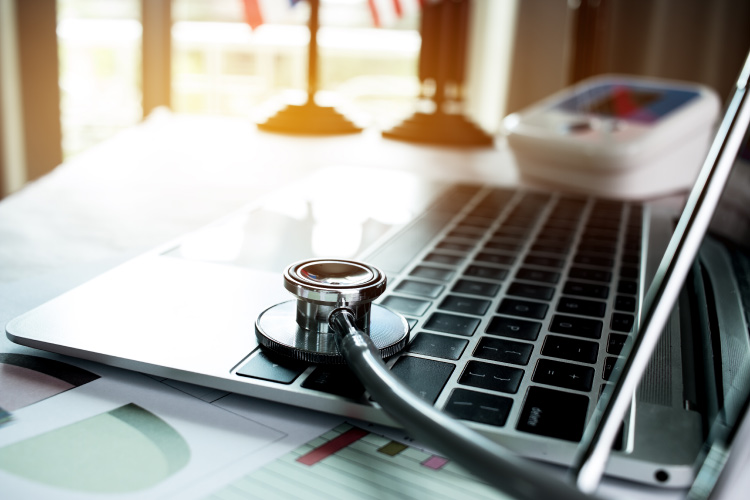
x=559, y=42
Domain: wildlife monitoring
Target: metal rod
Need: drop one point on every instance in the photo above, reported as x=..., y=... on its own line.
x=312, y=52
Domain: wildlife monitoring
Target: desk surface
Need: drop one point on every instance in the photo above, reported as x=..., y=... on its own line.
x=173, y=174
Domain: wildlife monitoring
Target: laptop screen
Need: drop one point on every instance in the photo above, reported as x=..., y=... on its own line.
x=720, y=286
x=706, y=272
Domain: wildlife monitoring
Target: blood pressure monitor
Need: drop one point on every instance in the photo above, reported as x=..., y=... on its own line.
x=616, y=136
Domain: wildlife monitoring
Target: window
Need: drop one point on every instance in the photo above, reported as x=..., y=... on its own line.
x=99, y=46
x=222, y=66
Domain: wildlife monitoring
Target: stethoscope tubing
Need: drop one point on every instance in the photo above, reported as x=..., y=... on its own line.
x=484, y=458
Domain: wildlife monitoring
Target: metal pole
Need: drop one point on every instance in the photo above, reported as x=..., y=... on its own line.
x=312, y=52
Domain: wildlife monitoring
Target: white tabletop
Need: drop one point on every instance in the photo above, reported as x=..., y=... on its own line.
x=174, y=173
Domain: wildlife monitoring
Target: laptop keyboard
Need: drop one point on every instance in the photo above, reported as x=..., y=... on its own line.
x=518, y=302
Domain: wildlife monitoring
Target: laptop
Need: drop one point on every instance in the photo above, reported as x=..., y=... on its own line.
x=524, y=308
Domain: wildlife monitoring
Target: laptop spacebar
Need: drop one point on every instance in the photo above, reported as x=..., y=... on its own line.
x=400, y=250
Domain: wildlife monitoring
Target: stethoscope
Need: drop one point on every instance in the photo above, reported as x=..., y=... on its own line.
x=334, y=321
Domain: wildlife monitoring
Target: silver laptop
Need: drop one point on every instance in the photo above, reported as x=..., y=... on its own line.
x=521, y=304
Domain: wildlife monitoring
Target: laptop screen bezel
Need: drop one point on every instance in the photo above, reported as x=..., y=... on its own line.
x=664, y=290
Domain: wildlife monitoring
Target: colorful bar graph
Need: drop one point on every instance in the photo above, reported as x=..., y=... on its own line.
x=435, y=462
x=392, y=449
x=333, y=446
x=353, y=463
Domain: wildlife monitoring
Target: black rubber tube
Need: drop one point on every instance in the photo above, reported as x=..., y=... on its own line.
x=486, y=459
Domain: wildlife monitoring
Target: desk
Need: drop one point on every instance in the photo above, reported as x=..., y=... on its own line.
x=147, y=185
x=173, y=174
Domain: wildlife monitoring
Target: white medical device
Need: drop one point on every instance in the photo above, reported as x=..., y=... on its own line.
x=616, y=136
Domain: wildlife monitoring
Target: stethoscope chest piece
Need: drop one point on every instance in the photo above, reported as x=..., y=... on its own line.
x=300, y=328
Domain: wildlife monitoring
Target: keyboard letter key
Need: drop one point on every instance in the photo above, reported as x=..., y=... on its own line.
x=556, y=414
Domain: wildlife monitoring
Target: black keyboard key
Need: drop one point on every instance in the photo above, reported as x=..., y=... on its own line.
x=602, y=223
x=625, y=303
x=554, y=237
x=622, y=322
x=558, y=235
x=601, y=234
x=514, y=328
x=607, y=246
x=441, y=258
x=550, y=247
x=586, y=289
x=492, y=273
x=634, y=233
x=579, y=327
x=609, y=366
x=498, y=197
x=593, y=260
x=633, y=245
x=581, y=306
x=477, y=221
x=572, y=349
x=529, y=291
x=267, y=367
x=597, y=247
x=455, y=246
x=426, y=377
x=556, y=221
x=485, y=211
x=590, y=274
x=464, y=305
x=337, y=380
x=404, y=305
x=495, y=258
x=570, y=203
x=612, y=207
x=503, y=244
x=476, y=288
x=631, y=258
x=491, y=377
x=615, y=343
x=556, y=414
x=628, y=287
x=450, y=323
x=629, y=272
x=479, y=407
x=504, y=351
x=432, y=273
x=468, y=233
x=566, y=375
x=529, y=274
x=421, y=288
x=512, y=231
x=526, y=309
x=533, y=201
x=542, y=261
x=522, y=216
x=437, y=346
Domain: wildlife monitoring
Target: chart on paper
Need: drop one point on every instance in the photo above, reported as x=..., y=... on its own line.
x=349, y=462
x=124, y=450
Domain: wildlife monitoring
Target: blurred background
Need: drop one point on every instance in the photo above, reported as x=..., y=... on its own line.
x=75, y=72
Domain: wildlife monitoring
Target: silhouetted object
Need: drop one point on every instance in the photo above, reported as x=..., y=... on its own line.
x=589, y=40
x=310, y=118
x=442, y=64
